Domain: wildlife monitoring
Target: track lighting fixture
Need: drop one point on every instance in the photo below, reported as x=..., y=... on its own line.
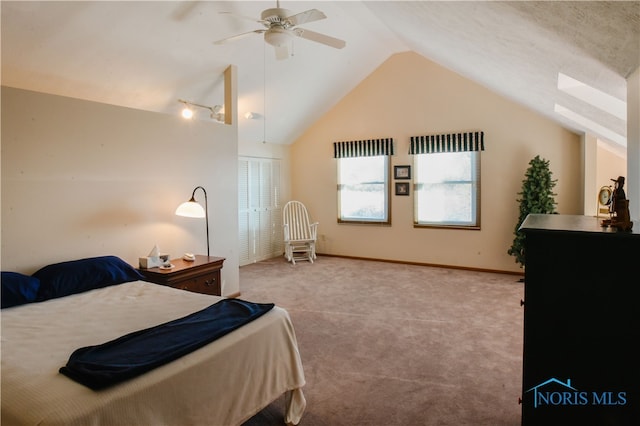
x=217, y=112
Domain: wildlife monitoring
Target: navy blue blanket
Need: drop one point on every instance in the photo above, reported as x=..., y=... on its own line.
x=135, y=353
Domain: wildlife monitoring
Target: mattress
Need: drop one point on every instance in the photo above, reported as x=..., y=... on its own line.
x=224, y=383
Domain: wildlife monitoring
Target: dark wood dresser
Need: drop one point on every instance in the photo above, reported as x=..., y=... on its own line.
x=199, y=276
x=581, y=362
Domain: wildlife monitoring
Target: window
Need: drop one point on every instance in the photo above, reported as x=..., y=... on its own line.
x=446, y=189
x=363, y=189
x=447, y=180
x=363, y=180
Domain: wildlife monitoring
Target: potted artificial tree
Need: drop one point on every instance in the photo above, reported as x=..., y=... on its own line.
x=536, y=197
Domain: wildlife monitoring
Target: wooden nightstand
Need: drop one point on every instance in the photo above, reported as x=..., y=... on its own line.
x=200, y=276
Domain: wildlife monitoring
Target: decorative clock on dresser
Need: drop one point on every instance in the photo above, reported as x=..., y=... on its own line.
x=202, y=275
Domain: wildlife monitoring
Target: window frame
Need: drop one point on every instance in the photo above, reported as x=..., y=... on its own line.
x=475, y=198
x=387, y=191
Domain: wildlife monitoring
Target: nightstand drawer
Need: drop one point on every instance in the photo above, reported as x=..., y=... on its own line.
x=208, y=284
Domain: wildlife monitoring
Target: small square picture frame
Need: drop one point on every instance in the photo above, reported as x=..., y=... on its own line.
x=402, y=172
x=402, y=188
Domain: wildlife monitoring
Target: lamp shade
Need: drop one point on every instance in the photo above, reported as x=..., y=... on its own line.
x=190, y=208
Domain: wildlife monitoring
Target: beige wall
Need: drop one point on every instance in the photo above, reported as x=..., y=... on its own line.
x=84, y=179
x=410, y=95
x=610, y=166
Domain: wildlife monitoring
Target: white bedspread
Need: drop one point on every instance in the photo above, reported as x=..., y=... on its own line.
x=223, y=383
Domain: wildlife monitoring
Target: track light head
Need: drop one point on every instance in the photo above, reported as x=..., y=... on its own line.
x=217, y=111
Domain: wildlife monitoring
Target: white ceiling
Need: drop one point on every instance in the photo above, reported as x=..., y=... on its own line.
x=149, y=54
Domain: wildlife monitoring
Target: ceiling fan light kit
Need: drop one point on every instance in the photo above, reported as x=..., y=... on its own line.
x=277, y=37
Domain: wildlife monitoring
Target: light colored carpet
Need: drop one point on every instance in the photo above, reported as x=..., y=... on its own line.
x=392, y=344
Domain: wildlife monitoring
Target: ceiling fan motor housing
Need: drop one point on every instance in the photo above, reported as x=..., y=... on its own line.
x=276, y=16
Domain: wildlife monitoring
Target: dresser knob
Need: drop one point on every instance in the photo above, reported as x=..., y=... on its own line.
x=210, y=282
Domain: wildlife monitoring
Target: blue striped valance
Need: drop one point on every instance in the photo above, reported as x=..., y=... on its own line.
x=451, y=142
x=364, y=148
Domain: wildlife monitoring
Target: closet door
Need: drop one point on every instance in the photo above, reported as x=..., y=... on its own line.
x=259, y=209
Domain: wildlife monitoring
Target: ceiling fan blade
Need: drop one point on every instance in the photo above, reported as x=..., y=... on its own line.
x=282, y=52
x=238, y=36
x=310, y=15
x=320, y=38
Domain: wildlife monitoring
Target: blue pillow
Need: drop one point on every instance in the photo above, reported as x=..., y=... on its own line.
x=77, y=276
x=18, y=289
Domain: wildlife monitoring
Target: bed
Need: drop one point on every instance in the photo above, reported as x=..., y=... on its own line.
x=225, y=382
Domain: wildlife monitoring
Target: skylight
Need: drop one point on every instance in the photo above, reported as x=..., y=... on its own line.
x=595, y=98
x=592, y=96
x=591, y=125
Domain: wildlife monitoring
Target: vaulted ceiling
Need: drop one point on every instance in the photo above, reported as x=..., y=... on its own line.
x=149, y=54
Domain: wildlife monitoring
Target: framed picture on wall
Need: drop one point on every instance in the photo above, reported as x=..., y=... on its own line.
x=402, y=172
x=402, y=188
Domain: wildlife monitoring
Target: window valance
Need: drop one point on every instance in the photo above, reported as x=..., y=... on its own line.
x=450, y=142
x=363, y=148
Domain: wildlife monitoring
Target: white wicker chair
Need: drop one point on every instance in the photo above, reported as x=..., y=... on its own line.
x=299, y=234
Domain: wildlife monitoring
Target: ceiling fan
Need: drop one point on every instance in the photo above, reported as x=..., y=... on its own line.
x=281, y=26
